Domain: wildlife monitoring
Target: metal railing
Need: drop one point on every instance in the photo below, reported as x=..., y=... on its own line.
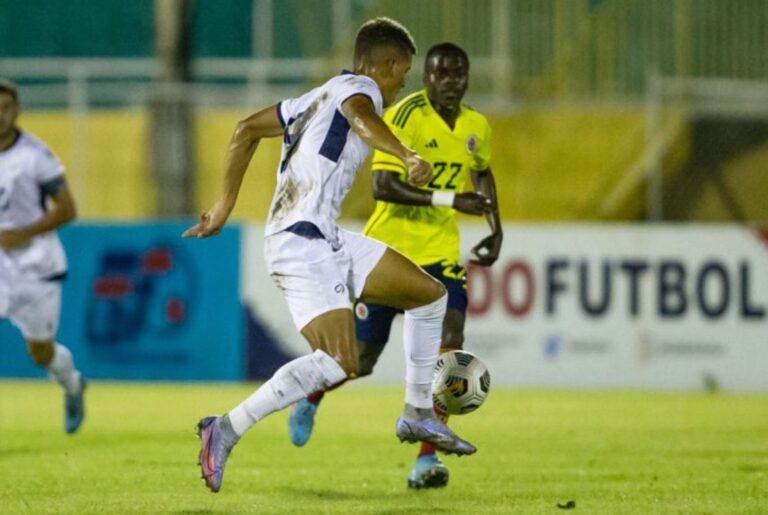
x=521, y=50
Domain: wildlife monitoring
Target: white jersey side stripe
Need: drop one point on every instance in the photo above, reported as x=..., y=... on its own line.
x=336, y=138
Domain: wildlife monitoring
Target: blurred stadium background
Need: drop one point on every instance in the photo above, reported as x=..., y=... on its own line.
x=620, y=111
x=601, y=109
x=630, y=149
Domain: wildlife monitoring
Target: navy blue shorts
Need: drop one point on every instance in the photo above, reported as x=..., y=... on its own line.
x=373, y=322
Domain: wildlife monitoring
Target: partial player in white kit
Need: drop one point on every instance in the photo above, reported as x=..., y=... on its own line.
x=34, y=202
x=327, y=134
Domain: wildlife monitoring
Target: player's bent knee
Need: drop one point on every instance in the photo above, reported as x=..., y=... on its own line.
x=432, y=291
x=439, y=296
x=41, y=352
x=41, y=359
x=438, y=290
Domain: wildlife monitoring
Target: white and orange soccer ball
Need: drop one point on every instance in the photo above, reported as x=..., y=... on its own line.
x=461, y=383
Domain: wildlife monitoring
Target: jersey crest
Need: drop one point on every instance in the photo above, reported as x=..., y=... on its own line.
x=471, y=143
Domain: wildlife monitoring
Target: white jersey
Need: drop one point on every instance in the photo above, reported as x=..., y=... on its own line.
x=320, y=156
x=25, y=168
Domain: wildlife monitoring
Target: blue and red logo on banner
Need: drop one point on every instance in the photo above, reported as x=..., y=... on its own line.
x=140, y=302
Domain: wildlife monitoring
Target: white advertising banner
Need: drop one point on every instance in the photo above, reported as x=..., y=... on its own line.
x=572, y=305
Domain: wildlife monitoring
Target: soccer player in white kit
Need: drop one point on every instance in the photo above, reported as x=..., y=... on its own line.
x=327, y=134
x=34, y=202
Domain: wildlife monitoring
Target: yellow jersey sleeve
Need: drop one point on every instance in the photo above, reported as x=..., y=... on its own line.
x=481, y=160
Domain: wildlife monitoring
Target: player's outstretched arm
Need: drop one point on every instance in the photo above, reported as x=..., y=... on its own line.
x=388, y=187
x=362, y=118
x=61, y=211
x=248, y=133
x=487, y=251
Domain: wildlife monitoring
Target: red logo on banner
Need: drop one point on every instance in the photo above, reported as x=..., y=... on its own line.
x=517, y=288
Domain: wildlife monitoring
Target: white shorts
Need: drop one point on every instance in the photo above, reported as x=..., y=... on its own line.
x=32, y=306
x=314, y=277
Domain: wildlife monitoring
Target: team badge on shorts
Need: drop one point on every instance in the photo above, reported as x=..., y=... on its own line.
x=361, y=311
x=471, y=143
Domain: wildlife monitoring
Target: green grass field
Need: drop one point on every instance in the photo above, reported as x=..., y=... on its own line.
x=610, y=452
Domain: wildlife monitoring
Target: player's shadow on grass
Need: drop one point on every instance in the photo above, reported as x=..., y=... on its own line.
x=363, y=495
x=336, y=495
x=324, y=493
x=5, y=453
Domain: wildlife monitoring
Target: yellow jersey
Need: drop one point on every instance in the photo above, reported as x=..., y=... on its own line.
x=429, y=234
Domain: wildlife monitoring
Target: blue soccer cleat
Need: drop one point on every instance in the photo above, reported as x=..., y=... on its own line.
x=74, y=408
x=435, y=432
x=217, y=439
x=428, y=472
x=301, y=421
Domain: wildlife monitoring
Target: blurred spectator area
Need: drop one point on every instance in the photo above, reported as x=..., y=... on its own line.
x=601, y=109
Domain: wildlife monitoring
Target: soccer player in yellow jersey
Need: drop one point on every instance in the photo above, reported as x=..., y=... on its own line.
x=420, y=222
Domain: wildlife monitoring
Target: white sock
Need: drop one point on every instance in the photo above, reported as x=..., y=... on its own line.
x=62, y=369
x=422, y=334
x=293, y=381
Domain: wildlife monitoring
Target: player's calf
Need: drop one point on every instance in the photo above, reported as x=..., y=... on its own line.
x=333, y=333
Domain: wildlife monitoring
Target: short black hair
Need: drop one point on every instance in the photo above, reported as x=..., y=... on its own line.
x=446, y=49
x=6, y=86
x=383, y=31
